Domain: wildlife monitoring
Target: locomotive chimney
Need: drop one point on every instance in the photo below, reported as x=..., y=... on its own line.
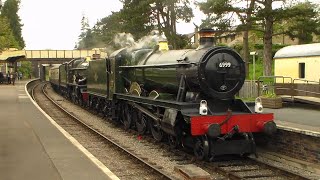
x=206, y=38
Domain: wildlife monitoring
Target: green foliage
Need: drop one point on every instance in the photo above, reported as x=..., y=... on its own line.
x=10, y=11
x=238, y=47
x=25, y=68
x=258, y=67
x=136, y=19
x=303, y=22
x=269, y=94
x=166, y=13
x=7, y=39
x=139, y=18
x=221, y=14
x=101, y=35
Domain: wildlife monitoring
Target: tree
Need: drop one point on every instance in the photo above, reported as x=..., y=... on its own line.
x=7, y=39
x=135, y=17
x=139, y=18
x=222, y=12
x=304, y=22
x=84, y=27
x=10, y=11
x=85, y=38
x=25, y=68
x=106, y=29
x=268, y=18
x=166, y=13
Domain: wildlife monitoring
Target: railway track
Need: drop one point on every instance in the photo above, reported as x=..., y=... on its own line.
x=122, y=162
x=235, y=167
x=250, y=169
x=242, y=168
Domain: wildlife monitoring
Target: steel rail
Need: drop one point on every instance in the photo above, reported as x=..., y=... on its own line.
x=106, y=138
x=261, y=166
x=215, y=167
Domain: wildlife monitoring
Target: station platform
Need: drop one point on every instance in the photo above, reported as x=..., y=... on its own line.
x=303, y=118
x=33, y=147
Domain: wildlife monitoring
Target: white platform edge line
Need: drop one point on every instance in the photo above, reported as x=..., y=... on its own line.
x=301, y=131
x=98, y=163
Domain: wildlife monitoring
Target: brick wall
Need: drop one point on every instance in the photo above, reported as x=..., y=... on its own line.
x=292, y=144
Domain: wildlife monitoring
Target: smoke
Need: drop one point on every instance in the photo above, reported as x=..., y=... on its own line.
x=126, y=40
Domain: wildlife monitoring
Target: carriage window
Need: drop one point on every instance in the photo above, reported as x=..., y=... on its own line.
x=302, y=67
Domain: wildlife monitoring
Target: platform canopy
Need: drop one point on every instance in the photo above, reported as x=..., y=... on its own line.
x=303, y=50
x=12, y=55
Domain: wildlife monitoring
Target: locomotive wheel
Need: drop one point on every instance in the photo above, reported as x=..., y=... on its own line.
x=156, y=132
x=141, y=122
x=173, y=142
x=201, y=148
x=127, y=116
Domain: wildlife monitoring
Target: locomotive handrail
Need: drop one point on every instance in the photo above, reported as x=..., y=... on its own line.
x=77, y=69
x=157, y=65
x=161, y=103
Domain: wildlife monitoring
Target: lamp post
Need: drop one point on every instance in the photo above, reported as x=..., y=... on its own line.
x=254, y=53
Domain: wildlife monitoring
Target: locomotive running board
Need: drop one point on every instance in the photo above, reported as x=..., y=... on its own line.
x=145, y=111
x=159, y=103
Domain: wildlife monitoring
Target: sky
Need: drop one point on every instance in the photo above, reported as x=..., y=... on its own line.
x=56, y=24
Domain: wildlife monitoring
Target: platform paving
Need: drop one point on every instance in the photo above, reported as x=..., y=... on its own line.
x=297, y=117
x=31, y=147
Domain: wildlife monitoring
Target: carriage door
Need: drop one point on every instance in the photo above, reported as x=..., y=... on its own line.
x=108, y=77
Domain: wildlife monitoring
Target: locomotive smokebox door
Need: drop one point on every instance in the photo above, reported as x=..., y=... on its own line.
x=169, y=121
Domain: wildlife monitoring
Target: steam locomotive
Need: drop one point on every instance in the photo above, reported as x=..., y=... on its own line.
x=186, y=97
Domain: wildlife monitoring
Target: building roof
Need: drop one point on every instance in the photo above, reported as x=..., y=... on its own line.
x=299, y=51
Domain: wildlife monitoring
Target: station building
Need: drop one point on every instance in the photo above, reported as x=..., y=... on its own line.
x=299, y=62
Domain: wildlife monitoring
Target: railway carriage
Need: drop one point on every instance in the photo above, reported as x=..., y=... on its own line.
x=54, y=77
x=63, y=79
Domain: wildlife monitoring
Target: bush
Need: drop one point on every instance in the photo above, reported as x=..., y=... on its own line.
x=25, y=68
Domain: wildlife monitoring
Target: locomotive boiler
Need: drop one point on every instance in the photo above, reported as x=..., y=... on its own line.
x=217, y=72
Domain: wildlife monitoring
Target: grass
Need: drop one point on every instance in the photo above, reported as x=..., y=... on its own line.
x=258, y=69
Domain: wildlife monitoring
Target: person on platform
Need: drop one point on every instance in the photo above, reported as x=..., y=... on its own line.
x=20, y=75
x=8, y=78
x=14, y=76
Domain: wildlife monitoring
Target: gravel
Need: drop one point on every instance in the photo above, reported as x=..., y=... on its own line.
x=156, y=155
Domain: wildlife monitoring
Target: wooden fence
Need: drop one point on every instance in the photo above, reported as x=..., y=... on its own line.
x=249, y=90
x=293, y=87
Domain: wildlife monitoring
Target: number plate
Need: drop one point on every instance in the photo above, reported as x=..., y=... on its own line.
x=225, y=64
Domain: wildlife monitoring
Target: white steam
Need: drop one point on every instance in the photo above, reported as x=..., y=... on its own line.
x=127, y=40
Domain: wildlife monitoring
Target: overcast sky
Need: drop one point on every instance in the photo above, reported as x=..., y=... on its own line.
x=56, y=24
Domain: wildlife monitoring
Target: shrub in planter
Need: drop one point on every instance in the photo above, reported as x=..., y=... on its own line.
x=271, y=101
